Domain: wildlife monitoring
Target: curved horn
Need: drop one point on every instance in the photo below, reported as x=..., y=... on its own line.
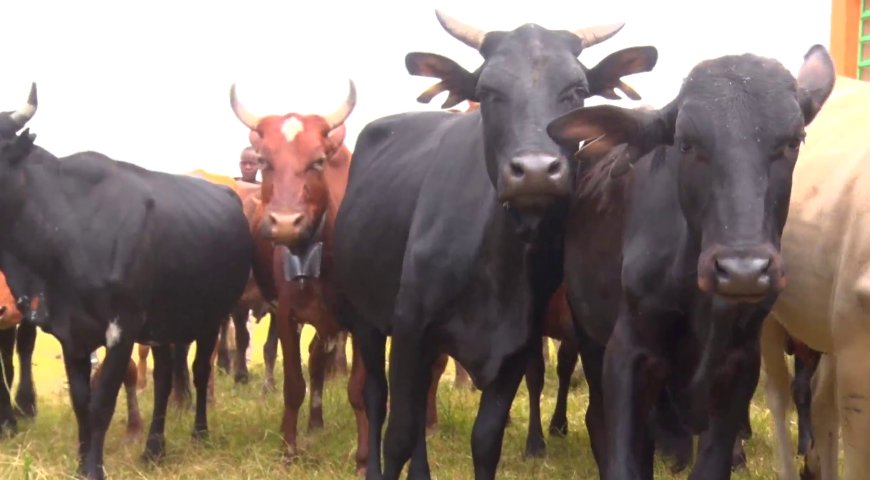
x=338, y=117
x=21, y=116
x=249, y=119
x=595, y=35
x=460, y=31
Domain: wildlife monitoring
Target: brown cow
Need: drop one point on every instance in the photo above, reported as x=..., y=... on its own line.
x=304, y=168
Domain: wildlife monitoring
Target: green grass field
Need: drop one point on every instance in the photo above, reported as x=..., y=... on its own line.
x=245, y=441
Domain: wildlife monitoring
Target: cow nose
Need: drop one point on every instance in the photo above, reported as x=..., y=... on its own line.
x=537, y=174
x=2, y=310
x=743, y=277
x=285, y=227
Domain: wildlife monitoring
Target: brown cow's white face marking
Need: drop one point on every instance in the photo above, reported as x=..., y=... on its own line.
x=291, y=127
x=113, y=334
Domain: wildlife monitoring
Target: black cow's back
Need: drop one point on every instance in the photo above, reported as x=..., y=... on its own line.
x=392, y=159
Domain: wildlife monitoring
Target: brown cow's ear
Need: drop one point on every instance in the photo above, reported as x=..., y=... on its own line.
x=619, y=136
x=335, y=137
x=815, y=81
x=454, y=79
x=606, y=77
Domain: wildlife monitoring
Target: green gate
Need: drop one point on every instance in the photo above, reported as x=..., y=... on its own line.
x=864, y=42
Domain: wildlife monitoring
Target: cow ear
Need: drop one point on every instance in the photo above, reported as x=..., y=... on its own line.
x=815, y=81
x=335, y=137
x=17, y=149
x=606, y=77
x=454, y=79
x=620, y=135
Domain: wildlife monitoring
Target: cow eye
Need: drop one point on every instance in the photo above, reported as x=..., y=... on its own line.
x=318, y=164
x=685, y=146
x=574, y=95
x=489, y=95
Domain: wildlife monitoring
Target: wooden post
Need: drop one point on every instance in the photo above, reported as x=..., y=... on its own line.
x=845, y=18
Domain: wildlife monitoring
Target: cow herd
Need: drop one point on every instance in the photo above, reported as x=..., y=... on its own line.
x=672, y=249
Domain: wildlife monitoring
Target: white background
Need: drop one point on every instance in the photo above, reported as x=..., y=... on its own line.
x=148, y=82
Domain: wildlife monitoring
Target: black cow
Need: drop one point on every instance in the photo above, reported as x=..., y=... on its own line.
x=26, y=287
x=127, y=255
x=679, y=303
x=460, y=215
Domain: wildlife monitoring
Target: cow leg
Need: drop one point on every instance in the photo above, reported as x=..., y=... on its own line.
x=341, y=354
x=773, y=338
x=495, y=404
x=432, y=397
x=270, y=355
x=155, y=446
x=25, y=397
x=223, y=348
x=104, y=398
x=630, y=389
x=411, y=362
x=78, y=372
x=8, y=424
x=243, y=340
x=355, y=395
x=134, y=417
x=853, y=394
x=565, y=364
x=821, y=460
x=592, y=356
x=201, y=372
x=804, y=367
x=318, y=357
x=535, y=370
x=142, y=376
x=181, y=395
x=461, y=378
x=294, y=383
x=730, y=395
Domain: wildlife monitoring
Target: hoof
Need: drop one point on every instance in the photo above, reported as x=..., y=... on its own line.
x=559, y=429
x=361, y=471
x=738, y=457
x=535, y=449
x=9, y=427
x=291, y=454
x=241, y=378
x=200, y=434
x=155, y=449
x=268, y=387
x=315, y=424
x=26, y=405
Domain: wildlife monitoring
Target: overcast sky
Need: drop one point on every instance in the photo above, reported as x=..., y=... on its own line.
x=148, y=82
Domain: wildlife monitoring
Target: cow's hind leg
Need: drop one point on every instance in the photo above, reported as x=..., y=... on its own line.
x=243, y=340
x=592, y=355
x=355, y=395
x=181, y=395
x=223, y=347
x=438, y=368
x=805, y=364
x=318, y=358
x=78, y=373
x=8, y=424
x=155, y=446
x=134, y=417
x=201, y=372
x=104, y=398
x=142, y=365
x=535, y=445
x=25, y=397
x=270, y=354
x=495, y=403
x=566, y=362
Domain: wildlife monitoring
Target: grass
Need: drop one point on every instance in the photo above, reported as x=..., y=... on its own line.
x=245, y=441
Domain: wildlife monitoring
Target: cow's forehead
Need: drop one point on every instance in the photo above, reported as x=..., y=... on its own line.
x=288, y=128
x=531, y=51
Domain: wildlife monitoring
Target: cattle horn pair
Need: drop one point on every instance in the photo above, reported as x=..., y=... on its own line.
x=23, y=115
x=474, y=37
x=333, y=119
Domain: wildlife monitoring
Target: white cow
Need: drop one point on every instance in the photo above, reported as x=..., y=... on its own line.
x=826, y=248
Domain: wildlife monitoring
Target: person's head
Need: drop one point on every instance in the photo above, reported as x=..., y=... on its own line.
x=249, y=164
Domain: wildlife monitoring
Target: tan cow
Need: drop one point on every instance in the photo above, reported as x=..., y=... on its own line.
x=826, y=247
